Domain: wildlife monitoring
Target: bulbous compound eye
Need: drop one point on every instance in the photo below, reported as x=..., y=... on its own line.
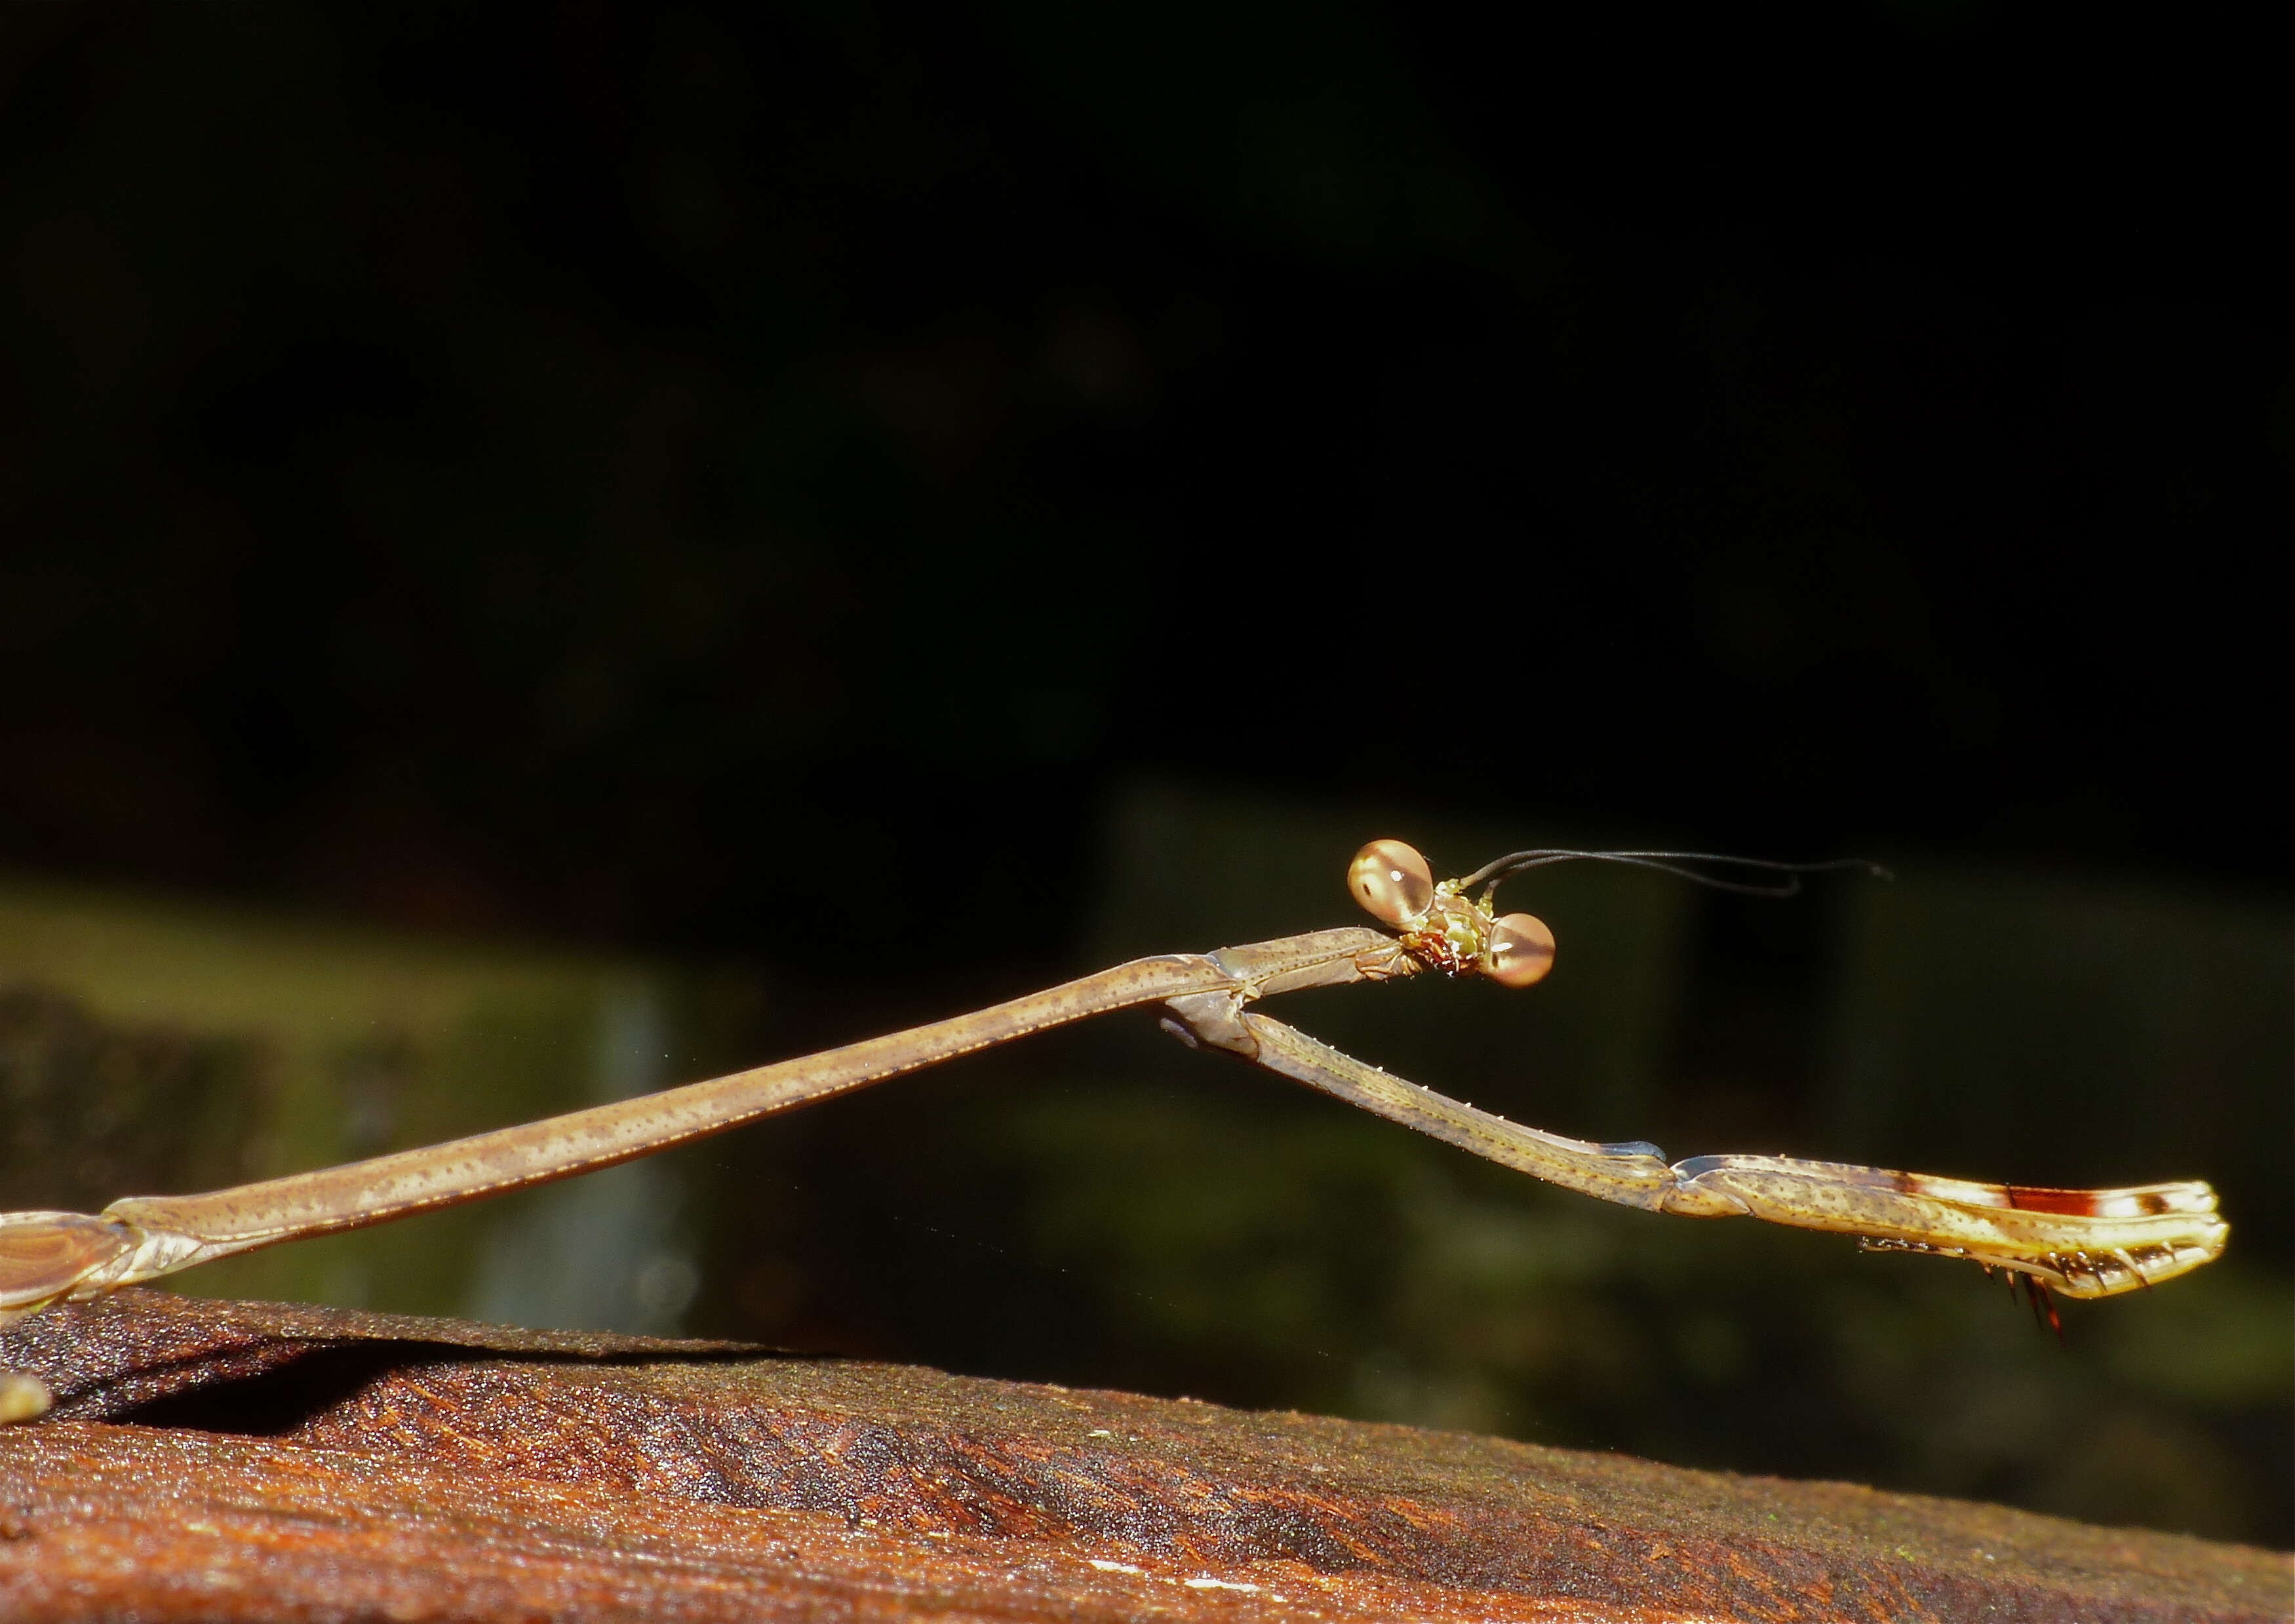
x=1520, y=951
x=1392, y=883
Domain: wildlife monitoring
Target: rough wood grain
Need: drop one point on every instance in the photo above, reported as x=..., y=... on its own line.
x=260, y=1461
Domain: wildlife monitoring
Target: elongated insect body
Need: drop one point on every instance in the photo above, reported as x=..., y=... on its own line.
x=2081, y=1243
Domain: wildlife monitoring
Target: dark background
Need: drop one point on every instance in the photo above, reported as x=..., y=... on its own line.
x=624, y=475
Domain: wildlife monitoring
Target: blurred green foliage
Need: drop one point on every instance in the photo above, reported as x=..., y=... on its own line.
x=149, y=1046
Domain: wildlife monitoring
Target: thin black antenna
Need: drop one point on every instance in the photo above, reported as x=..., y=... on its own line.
x=1672, y=863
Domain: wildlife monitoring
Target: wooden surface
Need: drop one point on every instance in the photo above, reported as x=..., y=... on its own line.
x=260, y=1461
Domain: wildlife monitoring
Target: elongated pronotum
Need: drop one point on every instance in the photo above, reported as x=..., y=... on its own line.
x=2081, y=1242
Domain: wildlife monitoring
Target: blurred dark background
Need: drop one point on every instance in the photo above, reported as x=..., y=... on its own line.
x=841, y=495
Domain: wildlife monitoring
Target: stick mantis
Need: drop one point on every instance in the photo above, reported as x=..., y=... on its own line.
x=2081, y=1242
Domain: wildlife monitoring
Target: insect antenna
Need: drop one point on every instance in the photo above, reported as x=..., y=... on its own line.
x=1676, y=863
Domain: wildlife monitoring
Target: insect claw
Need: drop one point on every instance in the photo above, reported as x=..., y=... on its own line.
x=2043, y=1305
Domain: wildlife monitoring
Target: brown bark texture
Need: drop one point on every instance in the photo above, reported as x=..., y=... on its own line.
x=224, y=1461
